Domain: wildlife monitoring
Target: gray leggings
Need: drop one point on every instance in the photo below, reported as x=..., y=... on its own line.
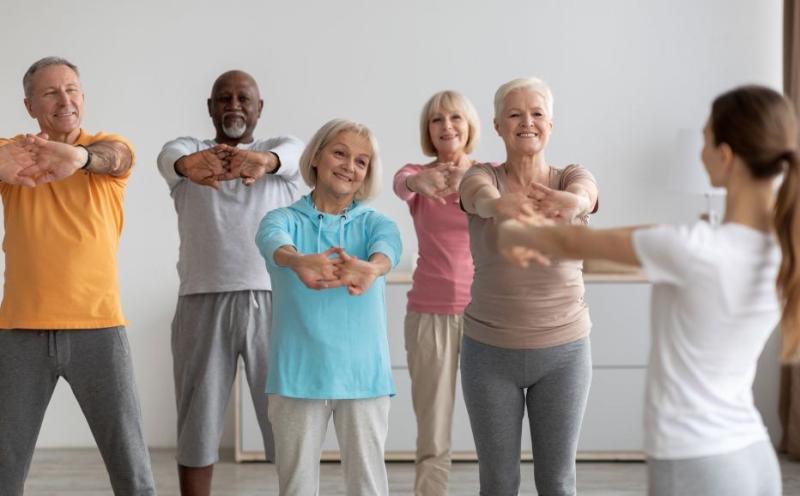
x=554, y=384
x=750, y=471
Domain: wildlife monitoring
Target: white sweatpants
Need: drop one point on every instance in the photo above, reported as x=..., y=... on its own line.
x=299, y=427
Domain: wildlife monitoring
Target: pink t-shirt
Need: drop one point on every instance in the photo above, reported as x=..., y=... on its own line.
x=444, y=268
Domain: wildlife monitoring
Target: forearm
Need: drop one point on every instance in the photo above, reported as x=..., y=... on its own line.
x=286, y=256
x=381, y=263
x=579, y=242
x=586, y=198
x=109, y=157
x=481, y=201
x=401, y=185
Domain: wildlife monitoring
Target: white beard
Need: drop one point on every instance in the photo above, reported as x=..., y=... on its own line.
x=237, y=129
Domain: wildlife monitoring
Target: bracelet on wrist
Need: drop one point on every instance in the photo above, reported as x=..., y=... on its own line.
x=88, y=157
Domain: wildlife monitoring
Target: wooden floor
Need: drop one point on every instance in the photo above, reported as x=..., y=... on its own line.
x=80, y=472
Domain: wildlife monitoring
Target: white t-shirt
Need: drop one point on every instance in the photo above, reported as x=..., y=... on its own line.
x=217, y=229
x=714, y=305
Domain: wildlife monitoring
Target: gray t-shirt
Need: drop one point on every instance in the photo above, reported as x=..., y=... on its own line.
x=217, y=228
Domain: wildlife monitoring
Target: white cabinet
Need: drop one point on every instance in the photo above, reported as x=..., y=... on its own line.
x=612, y=426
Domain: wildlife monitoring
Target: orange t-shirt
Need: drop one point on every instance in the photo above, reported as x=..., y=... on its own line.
x=60, y=244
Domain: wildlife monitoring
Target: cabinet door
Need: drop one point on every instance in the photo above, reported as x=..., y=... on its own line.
x=620, y=314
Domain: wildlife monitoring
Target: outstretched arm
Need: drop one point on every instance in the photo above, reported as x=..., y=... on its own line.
x=55, y=160
x=516, y=239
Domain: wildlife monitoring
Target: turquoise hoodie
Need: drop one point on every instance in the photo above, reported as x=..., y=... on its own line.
x=328, y=344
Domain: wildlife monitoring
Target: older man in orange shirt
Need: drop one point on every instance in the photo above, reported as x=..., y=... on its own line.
x=62, y=192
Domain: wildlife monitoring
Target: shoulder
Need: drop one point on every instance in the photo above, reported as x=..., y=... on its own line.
x=188, y=142
x=272, y=142
x=484, y=169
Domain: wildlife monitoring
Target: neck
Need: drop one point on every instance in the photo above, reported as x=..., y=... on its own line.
x=225, y=140
x=452, y=157
x=69, y=138
x=750, y=202
x=330, y=204
x=526, y=169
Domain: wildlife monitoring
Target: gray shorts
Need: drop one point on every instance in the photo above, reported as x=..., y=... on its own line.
x=750, y=471
x=97, y=365
x=210, y=332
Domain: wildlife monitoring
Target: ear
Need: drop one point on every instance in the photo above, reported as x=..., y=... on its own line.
x=260, y=107
x=496, y=126
x=208, y=104
x=726, y=157
x=29, y=107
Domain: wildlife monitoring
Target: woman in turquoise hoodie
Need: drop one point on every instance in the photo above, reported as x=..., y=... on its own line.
x=329, y=356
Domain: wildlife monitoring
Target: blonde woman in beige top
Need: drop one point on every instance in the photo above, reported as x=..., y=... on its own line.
x=526, y=331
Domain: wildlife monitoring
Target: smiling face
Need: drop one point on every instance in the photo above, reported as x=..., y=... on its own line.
x=235, y=106
x=449, y=131
x=524, y=123
x=343, y=164
x=56, y=101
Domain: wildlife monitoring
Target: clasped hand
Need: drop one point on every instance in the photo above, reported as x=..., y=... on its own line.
x=36, y=160
x=224, y=163
x=335, y=268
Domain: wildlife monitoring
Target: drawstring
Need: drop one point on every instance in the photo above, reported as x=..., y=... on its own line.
x=51, y=343
x=319, y=233
x=253, y=299
x=341, y=230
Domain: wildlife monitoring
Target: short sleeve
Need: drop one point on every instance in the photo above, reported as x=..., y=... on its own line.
x=574, y=173
x=383, y=237
x=666, y=253
x=273, y=232
x=474, y=180
x=170, y=153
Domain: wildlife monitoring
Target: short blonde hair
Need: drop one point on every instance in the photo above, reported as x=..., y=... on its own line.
x=326, y=133
x=448, y=100
x=529, y=83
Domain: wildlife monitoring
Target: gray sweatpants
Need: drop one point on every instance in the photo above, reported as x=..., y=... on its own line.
x=210, y=332
x=300, y=426
x=498, y=384
x=750, y=471
x=97, y=365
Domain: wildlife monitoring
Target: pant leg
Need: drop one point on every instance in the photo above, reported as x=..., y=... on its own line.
x=299, y=429
x=750, y=471
x=490, y=379
x=28, y=376
x=556, y=404
x=432, y=346
x=100, y=372
x=254, y=352
x=361, y=428
x=204, y=361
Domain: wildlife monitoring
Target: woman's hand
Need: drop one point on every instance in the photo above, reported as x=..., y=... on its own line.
x=357, y=275
x=435, y=182
x=513, y=206
x=318, y=271
x=514, y=239
x=562, y=206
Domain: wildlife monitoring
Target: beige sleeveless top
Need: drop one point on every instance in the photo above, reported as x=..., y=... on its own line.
x=534, y=307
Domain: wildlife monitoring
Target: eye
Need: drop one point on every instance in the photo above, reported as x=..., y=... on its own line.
x=338, y=153
x=244, y=99
x=361, y=163
x=436, y=119
x=456, y=117
x=538, y=114
x=514, y=114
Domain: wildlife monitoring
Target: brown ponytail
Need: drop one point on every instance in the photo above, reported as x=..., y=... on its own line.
x=787, y=226
x=760, y=126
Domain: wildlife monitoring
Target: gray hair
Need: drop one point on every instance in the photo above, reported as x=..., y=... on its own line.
x=529, y=83
x=321, y=138
x=27, y=79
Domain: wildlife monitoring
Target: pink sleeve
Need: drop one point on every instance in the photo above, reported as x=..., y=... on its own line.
x=400, y=188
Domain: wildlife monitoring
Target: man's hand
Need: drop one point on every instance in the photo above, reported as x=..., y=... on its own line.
x=206, y=167
x=15, y=159
x=53, y=160
x=249, y=165
x=357, y=275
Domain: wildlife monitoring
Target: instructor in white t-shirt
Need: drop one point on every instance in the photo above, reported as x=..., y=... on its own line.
x=222, y=188
x=714, y=302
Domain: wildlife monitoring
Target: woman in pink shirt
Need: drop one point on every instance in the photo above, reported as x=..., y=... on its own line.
x=449, y=131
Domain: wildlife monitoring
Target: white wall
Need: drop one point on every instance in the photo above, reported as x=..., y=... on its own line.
x=625, y=73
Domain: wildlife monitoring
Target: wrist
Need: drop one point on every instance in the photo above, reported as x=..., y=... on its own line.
x=410, y=183
x=84, y=159
x=178, y=166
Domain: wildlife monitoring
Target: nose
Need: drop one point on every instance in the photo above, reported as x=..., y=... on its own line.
x=63, y=97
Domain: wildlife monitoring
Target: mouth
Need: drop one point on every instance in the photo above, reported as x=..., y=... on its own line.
x=62, y=115
x=527, y=135
x=233, y=116
x=449, y=137
x=343, y=177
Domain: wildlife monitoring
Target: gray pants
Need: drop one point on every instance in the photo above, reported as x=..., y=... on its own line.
x=498, y=384
x=300, y=426
x=750, y=471
x=210, y=332
x=97, y=366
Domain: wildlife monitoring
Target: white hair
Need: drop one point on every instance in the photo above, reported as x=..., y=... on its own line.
x=529, y=83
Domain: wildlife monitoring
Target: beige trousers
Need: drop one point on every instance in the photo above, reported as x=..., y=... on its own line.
x=433, y=343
